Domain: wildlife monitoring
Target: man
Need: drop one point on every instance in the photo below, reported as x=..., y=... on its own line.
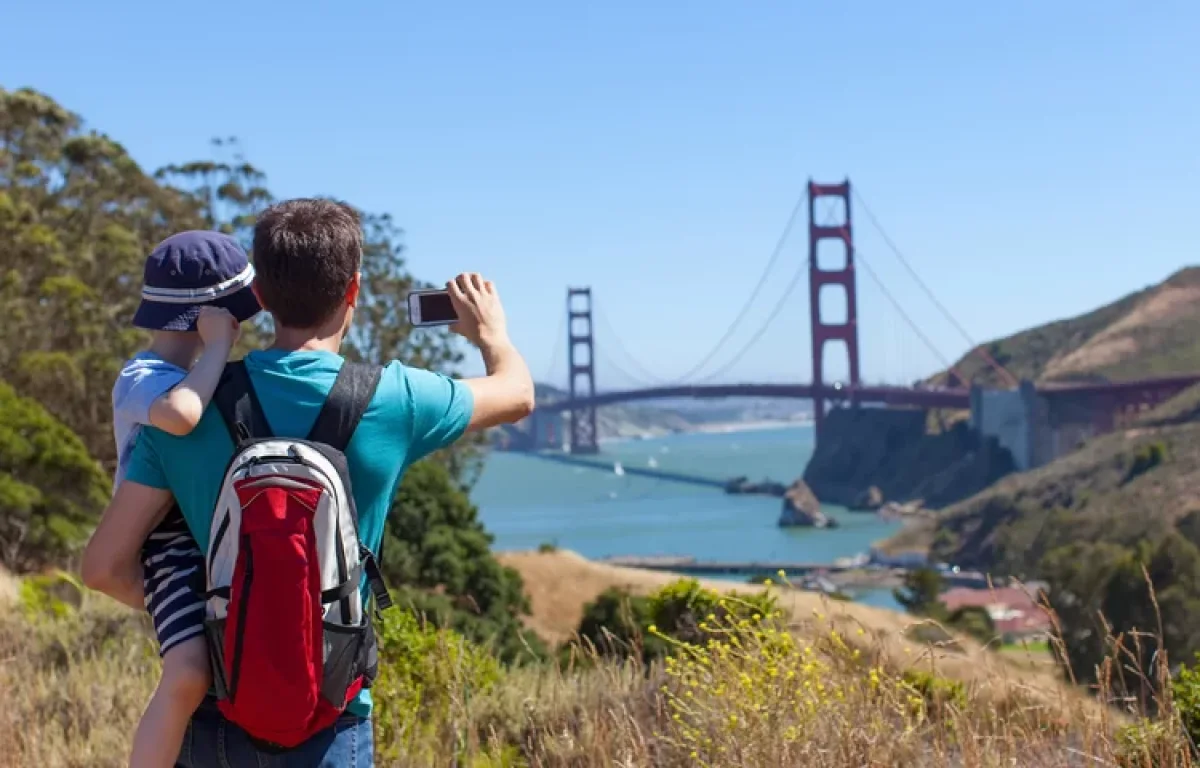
x=307, y=255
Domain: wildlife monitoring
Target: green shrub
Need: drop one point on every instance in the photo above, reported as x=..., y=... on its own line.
x=426, y=675
x=1186, y=692
x=547, y=547
x=1150, y=743
x=438, y=557
x=618, y=622
x=51, y=490
x=50, y=595
x=975, y=621
x=937, y=692
x=919, y=594
x=680, y=609
x=1146, y=458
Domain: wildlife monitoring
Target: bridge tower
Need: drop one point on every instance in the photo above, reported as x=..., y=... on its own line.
x=840, y=276
x=581, y=370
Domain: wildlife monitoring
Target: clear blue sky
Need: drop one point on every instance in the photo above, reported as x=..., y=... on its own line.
x=1033, y=159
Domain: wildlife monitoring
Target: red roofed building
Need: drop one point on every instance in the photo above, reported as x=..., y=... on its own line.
x=1015, y=614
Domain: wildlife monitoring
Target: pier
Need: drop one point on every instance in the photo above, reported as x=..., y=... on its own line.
x=729, y=568
x=658, y=474
x=852, y=571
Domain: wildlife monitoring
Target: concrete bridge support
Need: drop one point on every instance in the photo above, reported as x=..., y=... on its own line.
x=1038, y=425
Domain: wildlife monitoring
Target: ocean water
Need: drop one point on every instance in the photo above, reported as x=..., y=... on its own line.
x=525, y=501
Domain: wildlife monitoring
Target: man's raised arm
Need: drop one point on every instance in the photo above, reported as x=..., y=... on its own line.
x=505, y=394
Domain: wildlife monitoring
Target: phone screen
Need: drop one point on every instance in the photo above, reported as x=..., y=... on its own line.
x=436, y=308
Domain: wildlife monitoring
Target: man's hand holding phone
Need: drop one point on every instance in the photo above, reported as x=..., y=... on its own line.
x=481, y=318
x=506, y=394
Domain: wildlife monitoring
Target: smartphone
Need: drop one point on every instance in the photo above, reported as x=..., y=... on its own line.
x=428, y=308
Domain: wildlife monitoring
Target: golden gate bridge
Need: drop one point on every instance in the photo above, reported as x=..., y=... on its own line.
x=1103, y=403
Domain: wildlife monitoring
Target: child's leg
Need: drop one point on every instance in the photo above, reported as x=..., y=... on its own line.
x=174, y=568
x=185, y=680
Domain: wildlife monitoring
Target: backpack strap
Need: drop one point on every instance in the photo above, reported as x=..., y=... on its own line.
x=345, y=405
x=348, y=400
x=239, y=406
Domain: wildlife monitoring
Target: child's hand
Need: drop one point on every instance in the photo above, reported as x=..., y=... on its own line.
x=217, y=327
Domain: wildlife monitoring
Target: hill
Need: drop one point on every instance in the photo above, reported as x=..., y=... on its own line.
x=1152, y=332
x=1122, y=488
x=624, y=420
x=1105, y=526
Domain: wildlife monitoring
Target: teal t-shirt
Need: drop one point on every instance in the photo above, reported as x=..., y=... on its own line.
x=414, y=412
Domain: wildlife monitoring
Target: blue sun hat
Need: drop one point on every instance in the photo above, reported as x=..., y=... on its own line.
x=192, y=269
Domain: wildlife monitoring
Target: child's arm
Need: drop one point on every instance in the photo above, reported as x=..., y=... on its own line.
x=178, y=411
x=112, y=561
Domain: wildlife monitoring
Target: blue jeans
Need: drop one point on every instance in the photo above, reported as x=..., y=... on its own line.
x=212, y=741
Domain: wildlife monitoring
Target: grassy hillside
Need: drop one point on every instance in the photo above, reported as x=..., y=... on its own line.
x=1098, y=489
x=1113, y=489
x=1155, y=331
x=1113, y=528
x=833, y=687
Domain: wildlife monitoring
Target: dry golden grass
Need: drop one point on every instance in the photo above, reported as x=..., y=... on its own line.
x=831, y=687
x=561, y=583
x=8, y=586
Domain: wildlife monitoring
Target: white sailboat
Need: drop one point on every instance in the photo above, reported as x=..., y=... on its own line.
x=618, y=470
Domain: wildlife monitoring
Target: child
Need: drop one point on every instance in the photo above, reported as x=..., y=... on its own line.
x=196, y=292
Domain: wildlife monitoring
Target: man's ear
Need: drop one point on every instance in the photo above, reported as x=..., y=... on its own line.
x=257, y=295
x=353, y=289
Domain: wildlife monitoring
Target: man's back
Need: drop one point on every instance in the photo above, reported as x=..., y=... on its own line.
x=308, y=261
x=414, y=412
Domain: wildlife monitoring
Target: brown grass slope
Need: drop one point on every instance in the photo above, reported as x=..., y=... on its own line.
x=561, y=583
x=74, y=688
x=1153, y=332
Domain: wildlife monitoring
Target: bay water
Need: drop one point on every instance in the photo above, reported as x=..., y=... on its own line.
x=526, y=501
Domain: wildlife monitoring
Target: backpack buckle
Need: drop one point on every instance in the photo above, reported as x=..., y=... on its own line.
x=383, y=599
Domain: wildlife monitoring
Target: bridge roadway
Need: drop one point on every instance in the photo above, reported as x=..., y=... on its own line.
x=931, y=397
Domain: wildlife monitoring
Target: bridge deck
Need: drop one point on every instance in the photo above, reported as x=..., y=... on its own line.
x=921, y=397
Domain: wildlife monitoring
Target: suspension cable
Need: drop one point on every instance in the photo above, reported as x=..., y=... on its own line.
x=779, y=305
x=858, y=257
x=638, y=383
x=762, y=281
x=976, y=348
x=620, y=345
x=558, y=345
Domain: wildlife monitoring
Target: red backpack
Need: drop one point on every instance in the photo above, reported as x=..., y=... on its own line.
x=288, y=634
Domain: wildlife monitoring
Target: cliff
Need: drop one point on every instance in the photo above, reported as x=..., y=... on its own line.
x=868, y=456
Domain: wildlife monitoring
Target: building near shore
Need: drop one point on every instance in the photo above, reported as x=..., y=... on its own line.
x=1013, y=610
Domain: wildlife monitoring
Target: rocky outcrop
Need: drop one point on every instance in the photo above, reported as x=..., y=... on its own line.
x=802, y=509
x=869, y=500
x=743, y=485
x=895, y=511
x=869, y=455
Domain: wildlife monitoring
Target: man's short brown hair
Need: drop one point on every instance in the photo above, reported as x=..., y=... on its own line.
x=306, y=252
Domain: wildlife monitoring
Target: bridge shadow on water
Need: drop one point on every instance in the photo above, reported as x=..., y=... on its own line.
x=607, y=466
